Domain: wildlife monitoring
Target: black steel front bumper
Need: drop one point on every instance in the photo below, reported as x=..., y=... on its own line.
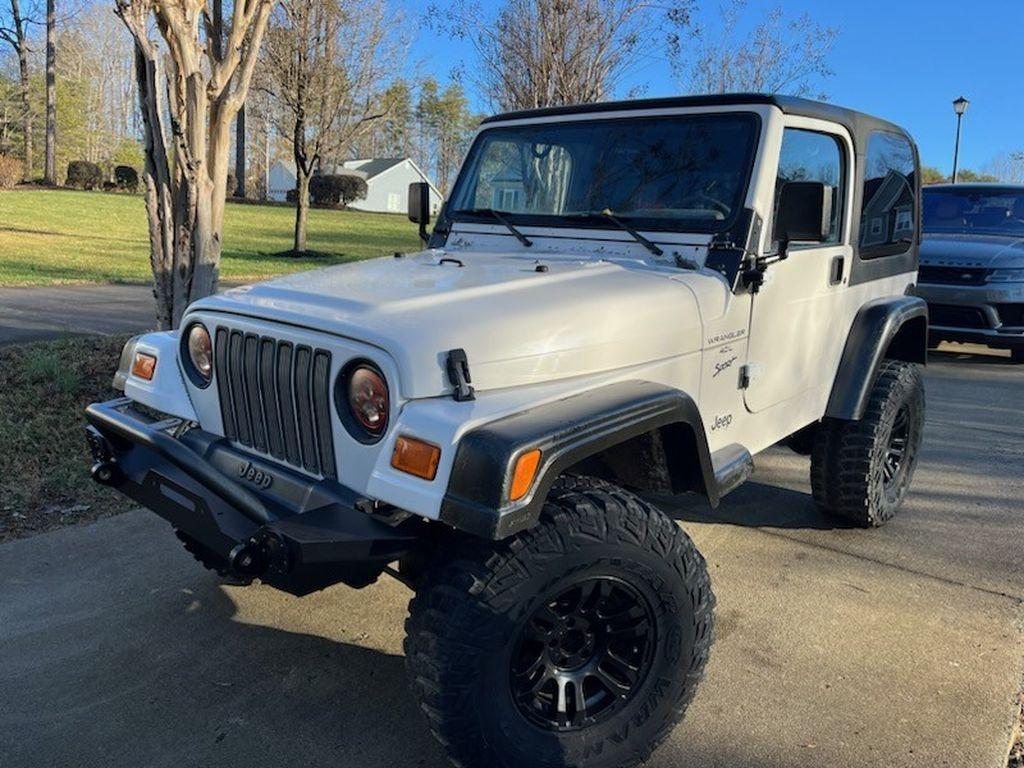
x=242, y=514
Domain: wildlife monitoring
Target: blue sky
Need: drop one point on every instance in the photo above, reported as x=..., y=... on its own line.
x=904, y=60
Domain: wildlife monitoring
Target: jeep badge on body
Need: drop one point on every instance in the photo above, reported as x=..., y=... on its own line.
x=616, y=299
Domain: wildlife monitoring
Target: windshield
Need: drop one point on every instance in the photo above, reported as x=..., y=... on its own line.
x=686, y=173
x=990, y=211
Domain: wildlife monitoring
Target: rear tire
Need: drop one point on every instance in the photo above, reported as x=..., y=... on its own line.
x=606, y=592
x=861, y=470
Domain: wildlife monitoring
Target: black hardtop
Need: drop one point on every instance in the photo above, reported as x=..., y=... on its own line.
x=856, y=122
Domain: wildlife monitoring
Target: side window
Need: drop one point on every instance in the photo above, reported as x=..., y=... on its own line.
x=888, y=204
x=812, y=156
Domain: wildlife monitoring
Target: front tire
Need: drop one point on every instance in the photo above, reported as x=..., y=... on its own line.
x=861, y=470
x=578, y=642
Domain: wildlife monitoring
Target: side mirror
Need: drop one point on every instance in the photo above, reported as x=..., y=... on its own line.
x=419, y=206
x=805, y=213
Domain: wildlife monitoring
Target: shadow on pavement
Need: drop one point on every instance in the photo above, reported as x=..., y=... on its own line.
x=754, y=505
x=184, y=682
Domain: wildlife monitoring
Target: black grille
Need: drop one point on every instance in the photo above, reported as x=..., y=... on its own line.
x=956, y=317
x=953, y=275
x=275, y=398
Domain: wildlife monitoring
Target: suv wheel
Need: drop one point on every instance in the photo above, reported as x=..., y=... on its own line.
x=578, y=642
x=861, y=470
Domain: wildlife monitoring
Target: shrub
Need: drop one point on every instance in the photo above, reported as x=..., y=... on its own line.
x=10, y=171
x=292, y=196
x=84, y=175
x=339, y=189
x=126, y=178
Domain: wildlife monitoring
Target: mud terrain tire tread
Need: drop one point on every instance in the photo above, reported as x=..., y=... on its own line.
x=845, y=463
x=444, y=636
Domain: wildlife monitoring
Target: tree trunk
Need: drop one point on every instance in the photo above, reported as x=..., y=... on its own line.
x=302, y=208
x=50, y=168
x=303, y=167
x=240, y=169
x=24, y=85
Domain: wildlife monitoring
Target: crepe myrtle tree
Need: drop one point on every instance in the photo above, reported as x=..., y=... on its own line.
x=203, y=60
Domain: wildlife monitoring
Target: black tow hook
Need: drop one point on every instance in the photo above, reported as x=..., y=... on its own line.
x=265, y=552
x=104, y=469
x=105, y=472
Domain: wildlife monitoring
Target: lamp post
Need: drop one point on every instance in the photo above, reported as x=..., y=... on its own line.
x=959, y=106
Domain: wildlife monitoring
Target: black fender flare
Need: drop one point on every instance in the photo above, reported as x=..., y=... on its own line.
x=893, y=328
x=566, y=431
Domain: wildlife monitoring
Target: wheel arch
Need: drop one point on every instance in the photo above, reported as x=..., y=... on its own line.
x=893, y=328
x=570, y=433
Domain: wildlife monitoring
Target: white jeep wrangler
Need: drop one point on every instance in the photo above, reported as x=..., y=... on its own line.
x=616, y=298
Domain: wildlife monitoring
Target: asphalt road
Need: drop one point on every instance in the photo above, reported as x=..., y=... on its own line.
x=902, y=646
x=33, y=314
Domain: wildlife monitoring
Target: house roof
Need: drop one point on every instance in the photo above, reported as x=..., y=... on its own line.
x=374, y=166
x=366, y=168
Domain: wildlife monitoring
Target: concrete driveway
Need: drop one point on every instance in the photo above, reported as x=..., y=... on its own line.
x=836, y=647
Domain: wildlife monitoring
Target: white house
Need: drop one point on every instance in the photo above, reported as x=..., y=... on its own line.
x=387, y=182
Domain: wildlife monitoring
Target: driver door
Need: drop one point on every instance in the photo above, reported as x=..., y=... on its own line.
x=791, y=333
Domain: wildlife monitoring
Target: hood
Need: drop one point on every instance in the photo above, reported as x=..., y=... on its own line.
x=963, y=250
x=517, y=325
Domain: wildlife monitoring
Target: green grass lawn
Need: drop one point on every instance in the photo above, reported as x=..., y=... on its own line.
x=65, y=236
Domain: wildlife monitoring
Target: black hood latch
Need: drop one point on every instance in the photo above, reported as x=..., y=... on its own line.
x=458, y=375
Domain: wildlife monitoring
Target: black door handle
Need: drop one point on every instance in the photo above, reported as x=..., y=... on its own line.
x=835, y=272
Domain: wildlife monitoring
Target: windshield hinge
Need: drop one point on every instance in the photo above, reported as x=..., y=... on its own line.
x=458, y=375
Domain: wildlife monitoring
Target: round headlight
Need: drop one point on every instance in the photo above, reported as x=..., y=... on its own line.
x=200, y=351
x=368, y=399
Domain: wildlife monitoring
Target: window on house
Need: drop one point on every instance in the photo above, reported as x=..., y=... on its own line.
x=890, y=195
x=904, y=220
x=813, y=156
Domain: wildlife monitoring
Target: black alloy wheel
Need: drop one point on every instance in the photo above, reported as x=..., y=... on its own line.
x=583, y=654
x=895, y=453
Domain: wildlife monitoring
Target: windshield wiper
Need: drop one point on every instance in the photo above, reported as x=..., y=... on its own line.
x=500, y=218
x=608, y=215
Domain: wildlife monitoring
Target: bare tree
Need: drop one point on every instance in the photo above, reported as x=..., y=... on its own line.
x=15, y=32
x=328, y=63
x=777, y=56
x=209, y=66
x=537, y=53
x=97, y=119
x=50, y=163
x=1007, y=167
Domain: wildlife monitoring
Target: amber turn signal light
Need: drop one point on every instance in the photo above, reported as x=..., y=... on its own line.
x=144, y=366
x=416, y=457
x=524, y=473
